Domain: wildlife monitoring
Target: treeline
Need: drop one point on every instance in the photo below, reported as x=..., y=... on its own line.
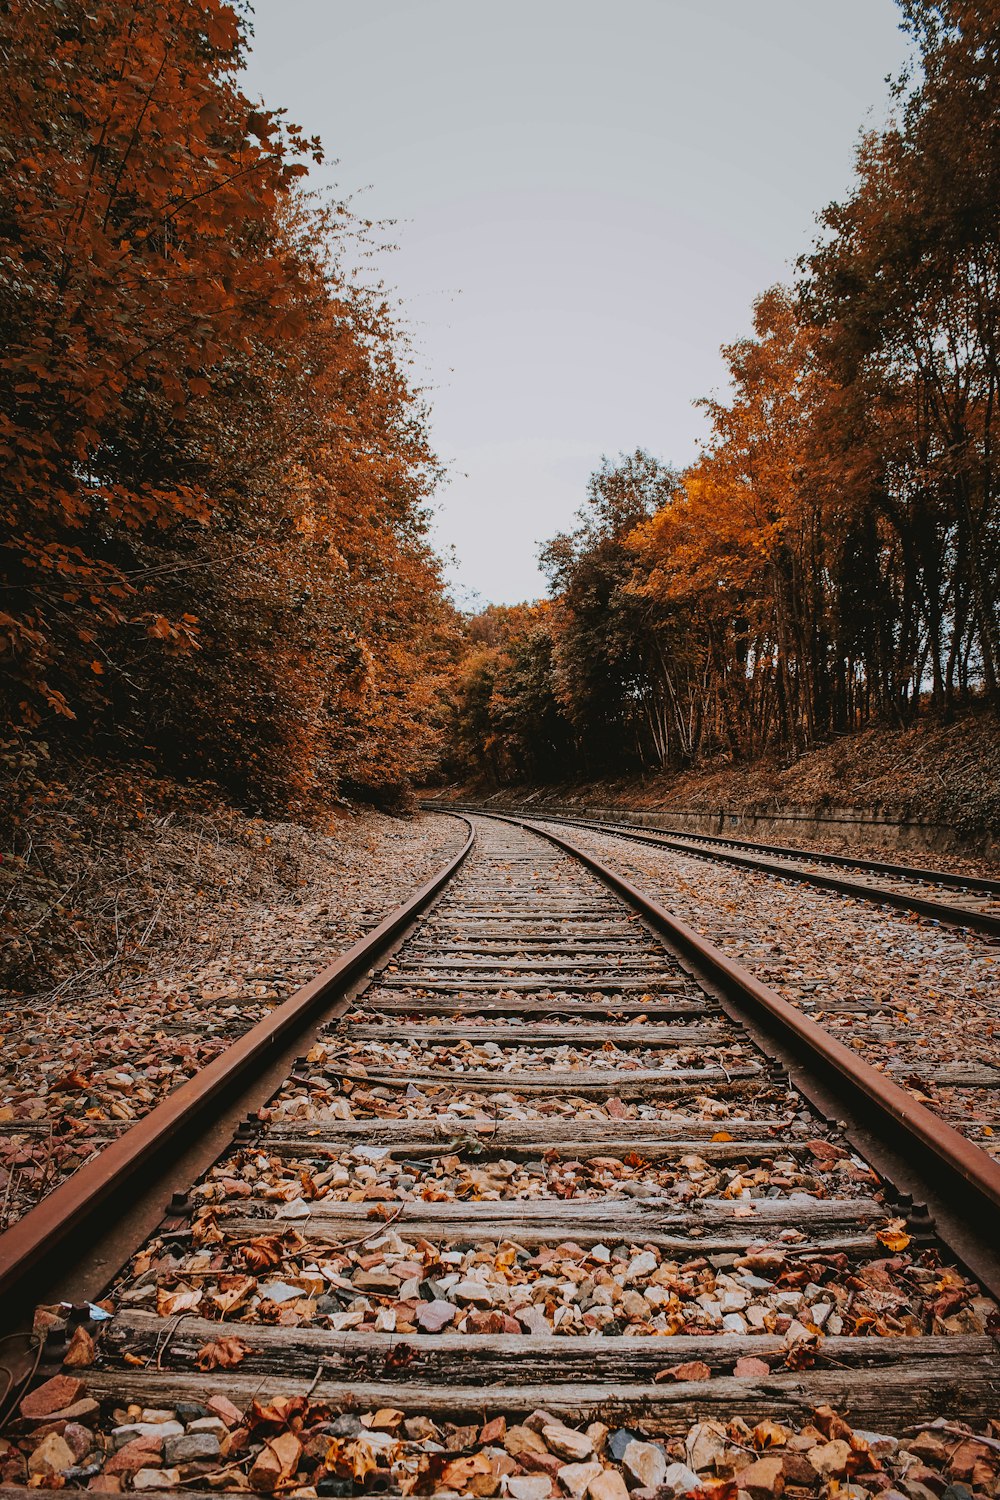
x=833, y=557
x=213, y=548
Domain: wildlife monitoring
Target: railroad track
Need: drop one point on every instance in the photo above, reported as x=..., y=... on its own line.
x=973, y=902
x=547, y=1161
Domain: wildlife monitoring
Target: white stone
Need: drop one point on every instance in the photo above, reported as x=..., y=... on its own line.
x=156, y=1479
x=880, y=1443
x=680, y=1479
x=575, y=1478
x=528, y=1486
x=643, y=1264
x=564, y=1442
x=646, y=1463
x=298, y=1208
x=704, y=1444
x=474, y=1292
x=607, y=1485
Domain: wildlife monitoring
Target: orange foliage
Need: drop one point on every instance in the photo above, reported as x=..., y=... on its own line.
x=214, y=469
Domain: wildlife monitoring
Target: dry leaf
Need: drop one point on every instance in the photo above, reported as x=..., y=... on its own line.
x=894, y=1236
x=169, y=1304
x=693, y=1369
x=225, y=1354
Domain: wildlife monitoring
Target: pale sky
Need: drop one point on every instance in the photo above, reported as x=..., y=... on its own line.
x=588, y=195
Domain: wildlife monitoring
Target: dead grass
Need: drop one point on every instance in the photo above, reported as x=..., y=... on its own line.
x=100, y=866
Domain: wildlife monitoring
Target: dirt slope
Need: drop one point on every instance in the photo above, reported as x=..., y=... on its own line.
x=941, y=773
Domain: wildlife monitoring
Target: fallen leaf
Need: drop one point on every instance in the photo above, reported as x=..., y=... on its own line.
x=225, y=1354
x=893, y=1236
x=693, y=1369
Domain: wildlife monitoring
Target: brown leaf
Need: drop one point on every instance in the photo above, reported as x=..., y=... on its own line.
x=225, y=1354
x=70, y=1083
x=182, y=1299
x=893, y=1236
x=460, y=1473
x=263, y=1253
x=802, y=1355
x=383, y=1420
x=692, y=1369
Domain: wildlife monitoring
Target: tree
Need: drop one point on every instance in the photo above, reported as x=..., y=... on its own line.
x=603, y=672
x=214, y=543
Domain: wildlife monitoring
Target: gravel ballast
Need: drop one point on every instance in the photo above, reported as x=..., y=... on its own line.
x=931, y=995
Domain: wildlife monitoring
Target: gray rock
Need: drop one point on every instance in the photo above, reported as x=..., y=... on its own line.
x=345, y=1426
x=280, y=1291
x=122, y=1435
x=533, y=1320
x=189, y=1448
x=618, y=1442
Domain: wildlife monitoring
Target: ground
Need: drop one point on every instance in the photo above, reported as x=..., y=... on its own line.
x=145, y=926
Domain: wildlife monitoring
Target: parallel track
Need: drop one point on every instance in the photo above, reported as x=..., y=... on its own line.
x=572, y=1093
x=904, y=887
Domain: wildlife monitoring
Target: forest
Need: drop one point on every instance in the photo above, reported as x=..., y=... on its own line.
x=832, y=558
x=215, y=555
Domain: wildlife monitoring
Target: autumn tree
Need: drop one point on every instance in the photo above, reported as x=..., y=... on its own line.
x=832, y=557
x=603, y=673
x=906, y=287
x=506, y=722
x=215, y=473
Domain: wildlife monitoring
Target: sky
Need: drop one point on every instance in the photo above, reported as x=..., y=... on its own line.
x=587, y=195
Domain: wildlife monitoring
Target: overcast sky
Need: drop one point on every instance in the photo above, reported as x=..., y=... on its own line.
x=588, y=196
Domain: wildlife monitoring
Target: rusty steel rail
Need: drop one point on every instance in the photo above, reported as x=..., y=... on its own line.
x=77, y=1212
x=980, y=885
x=909, y=1145
x=939, y=911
